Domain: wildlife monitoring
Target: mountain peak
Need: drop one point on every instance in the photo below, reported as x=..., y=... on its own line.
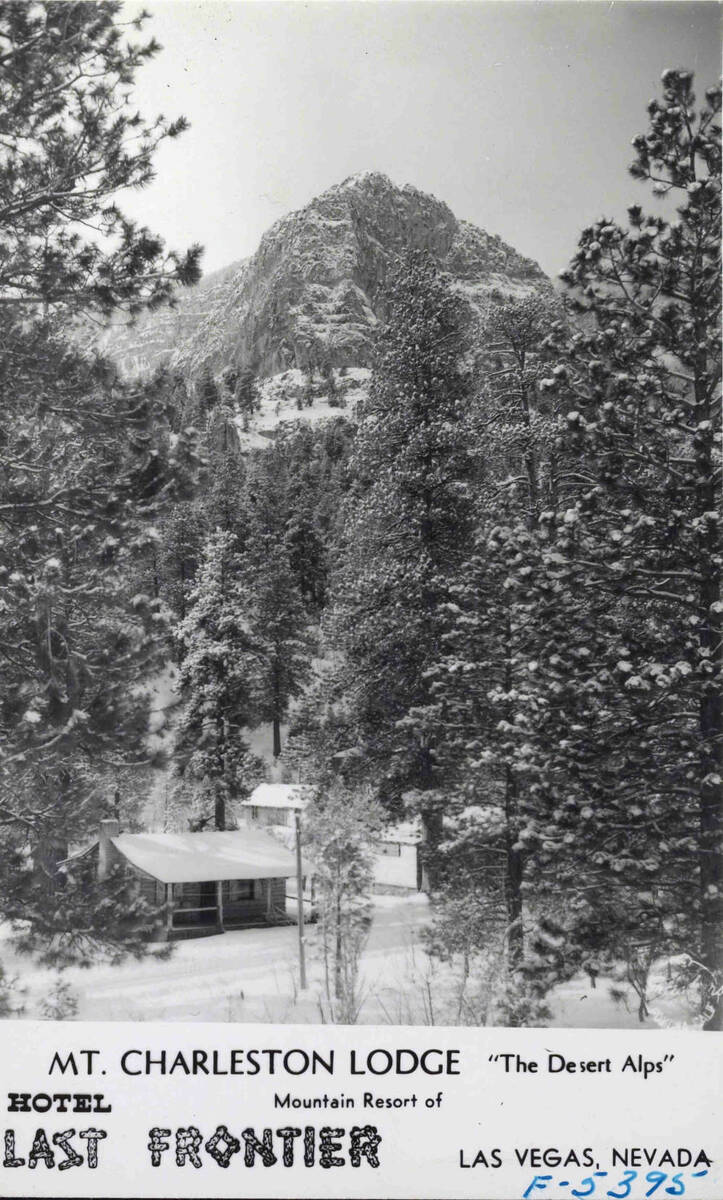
x=311, y=292
x=367, y=178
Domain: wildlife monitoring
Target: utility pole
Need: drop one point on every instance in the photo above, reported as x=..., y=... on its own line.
x=300, y=900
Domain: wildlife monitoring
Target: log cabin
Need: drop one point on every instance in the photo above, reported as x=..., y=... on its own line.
x=207, y=882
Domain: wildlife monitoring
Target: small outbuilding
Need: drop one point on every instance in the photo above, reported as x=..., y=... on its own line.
x=275, y=803
x=208, y=882
x=398, y=864
x=278, y=807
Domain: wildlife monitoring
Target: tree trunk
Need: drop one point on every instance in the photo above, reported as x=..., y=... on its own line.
x=513, y=875
x=219, y=813
x=338, y=946
x=514, y=864
x=710, y=711
x=431, y=823
x=276, y=718
x=533, y=487
x=711, y=876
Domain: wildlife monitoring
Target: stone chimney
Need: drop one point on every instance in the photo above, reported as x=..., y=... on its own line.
x=109, y=828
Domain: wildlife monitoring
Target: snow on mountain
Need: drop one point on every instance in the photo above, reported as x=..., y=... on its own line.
x=312, y=291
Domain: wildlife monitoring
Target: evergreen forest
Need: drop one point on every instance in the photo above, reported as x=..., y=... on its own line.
x=484, y=598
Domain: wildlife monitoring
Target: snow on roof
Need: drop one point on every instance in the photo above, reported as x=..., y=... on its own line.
x=278, y=795
x=407, y=832
x=199, y=857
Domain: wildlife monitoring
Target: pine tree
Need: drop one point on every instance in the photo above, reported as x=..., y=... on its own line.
x=307, y=556
x=87, y=462
x=246, y=394
x=635, y=786
x=221, y=681
x=514, y=422
x=338, y=833
x=71, y=141
x=218, y=504
x=230, y=378
x=481, y=682
x=279, y=618
x=90, y=462
x=221, y=495
x=408, y=520
x=317, y=477
x=208, y=396
x=274, y=605
x=182, y=535
x=306, y=400
x=319, y=744
x=327, y=374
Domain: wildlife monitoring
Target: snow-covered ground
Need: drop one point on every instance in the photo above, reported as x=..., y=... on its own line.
x=252, y=975
x=283, y=398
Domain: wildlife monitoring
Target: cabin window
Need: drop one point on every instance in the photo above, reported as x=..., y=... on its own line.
x=241, y=889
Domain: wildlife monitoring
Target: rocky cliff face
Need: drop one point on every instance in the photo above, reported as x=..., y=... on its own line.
x=311, y=291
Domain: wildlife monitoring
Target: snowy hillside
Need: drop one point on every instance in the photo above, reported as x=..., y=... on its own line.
x=286, y=397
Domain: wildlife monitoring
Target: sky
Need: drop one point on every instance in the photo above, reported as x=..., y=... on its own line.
x=518, y=115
